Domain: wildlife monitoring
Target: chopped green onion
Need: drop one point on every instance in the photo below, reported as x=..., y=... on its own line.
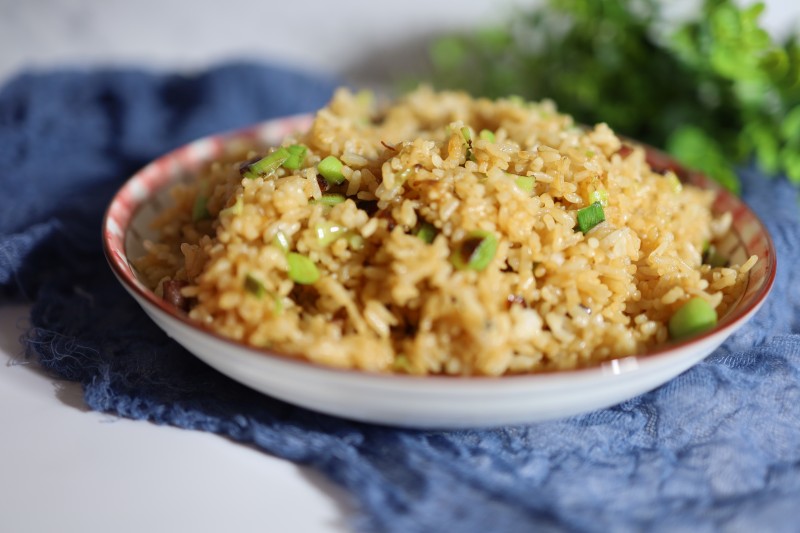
x=297, y=154
x=402, y=364
x=235, y=209
x=254, y=286
x=466, y=133
x=487, y=135
x=426, y=232
x=525, y=183
x=476, y=252
x=266, y=165
x=599, y=195
x=200, y=208
x=281, y=241
x=329, y=199
x=693, y=317
x=331, y=169
x=590, y=153
x=302, y=269
x=589, y=217
x=677, y=186
x=356, y=241
x=327, y=232
x=713, y=258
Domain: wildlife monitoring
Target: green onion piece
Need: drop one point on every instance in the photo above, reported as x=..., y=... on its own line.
x=713, y=258
x=329, y=199
x=235, y=209
x=401, y=364
x=693, y=317
x=254, y=286
x=356, y=241
x=426, y=232
x=590, y=153
x=599, y=195
x=327, y=232
x=200, y=208
x=281, y=241
x=589, y=217
x=677, y=186
x=297, y=154
x=525, y=183
x=266, y=165
x=487, y=135
x=331, y=169
x=466, y=133
x=302, y=269
x=476, y=252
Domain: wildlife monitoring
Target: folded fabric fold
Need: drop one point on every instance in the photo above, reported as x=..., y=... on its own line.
x=717, y=448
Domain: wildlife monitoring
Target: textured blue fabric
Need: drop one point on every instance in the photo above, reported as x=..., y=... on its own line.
x=716, y=449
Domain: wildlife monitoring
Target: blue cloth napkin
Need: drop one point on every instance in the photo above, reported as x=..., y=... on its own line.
x=716, y=449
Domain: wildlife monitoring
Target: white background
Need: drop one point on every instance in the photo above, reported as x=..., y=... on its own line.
x=65, y=469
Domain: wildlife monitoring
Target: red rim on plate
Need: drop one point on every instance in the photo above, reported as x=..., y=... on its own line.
x=749, y=234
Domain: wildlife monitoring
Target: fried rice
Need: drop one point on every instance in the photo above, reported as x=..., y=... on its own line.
x=450, y=237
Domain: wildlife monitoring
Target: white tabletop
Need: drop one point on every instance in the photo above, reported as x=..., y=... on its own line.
x=65, y=469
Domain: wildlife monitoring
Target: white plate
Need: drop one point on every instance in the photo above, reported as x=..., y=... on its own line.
x=421, y=402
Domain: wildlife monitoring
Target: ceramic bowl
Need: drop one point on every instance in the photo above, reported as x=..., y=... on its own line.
x=412, y=401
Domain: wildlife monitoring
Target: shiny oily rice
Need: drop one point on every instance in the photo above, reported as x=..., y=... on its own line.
x=441, y=234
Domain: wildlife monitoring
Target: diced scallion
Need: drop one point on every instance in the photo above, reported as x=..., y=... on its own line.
x=676, y=184
x=693, y=317
x=589, y=217
x=281, y=241
x=329, y=199
x=466, y=133
x=266, y=165
x=235, y=209
x=200, y=208
x=331, y=169
x=525, y=183
x=254, y=286
x=476, y=251
x=599, y=195
x=426, y=232
x=327, y=232
x=297, y=155
x=487, y=135
x=302, y=269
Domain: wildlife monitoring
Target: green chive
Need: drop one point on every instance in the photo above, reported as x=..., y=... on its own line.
x=257, y=289
x=713, y=258
x=266, y=165
x=426, y=232
x=676, y=184
x=297, y=154
x=281, y=241
x=525, y=183
x=693, y=317
x=476, y=252
x=589, y=217
x=302, y=269
x=402, y=364
x=235, y=209
x=254, y=286
x=327, y=232
x=331, y=169
x=356, y=241
x=466, y=133
x=200, y=208
x=329, y=199
x=487, y=135
x=599, y=195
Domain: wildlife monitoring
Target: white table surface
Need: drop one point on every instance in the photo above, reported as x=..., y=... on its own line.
x=63, y=468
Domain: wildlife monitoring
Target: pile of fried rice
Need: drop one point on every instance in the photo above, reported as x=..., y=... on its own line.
x=445, y=240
